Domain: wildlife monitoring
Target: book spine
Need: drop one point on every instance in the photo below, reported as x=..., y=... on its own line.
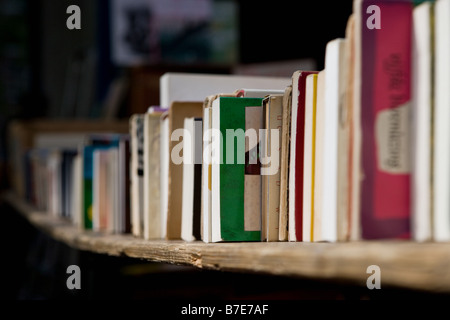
x=275, y=115
x=441, y=183
x=237, y=190
x=284, y=164
x=198, y=153
x=385, y=104
x=87, y=186
x=206, y=178
x=309, y=158
x=299, y=158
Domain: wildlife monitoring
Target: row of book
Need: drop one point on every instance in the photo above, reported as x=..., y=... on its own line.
x=362, y=152
x=81, y=176
x=358, y=150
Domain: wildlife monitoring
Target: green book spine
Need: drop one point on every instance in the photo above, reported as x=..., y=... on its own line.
x=87, y=186
x=232, y=176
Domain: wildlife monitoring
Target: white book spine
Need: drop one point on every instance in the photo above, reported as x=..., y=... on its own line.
x=215, y=176
x=206, y=193
x=308, y=168
x=292, y=236
x=441, y=123
x=421, y=123
x=187, y=213
x=164, y=174
x=334, y=52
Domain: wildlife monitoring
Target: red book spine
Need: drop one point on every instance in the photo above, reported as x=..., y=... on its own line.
x=299, y=148
x=385, y=97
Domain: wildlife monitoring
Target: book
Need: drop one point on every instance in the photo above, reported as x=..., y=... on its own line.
x=441, y=133
x=384, y=75
x=192, y=173
x=100, y=208
x=270, y=167
x=284, y=164
x=333, y=225
x=76, y=210
x=256, y=93
x=53, y=164
x=195, y=87
x=205, y=220
x=164, y=176
x=95, y=142
x=113, y=203
x=152, y=178
x=236, y=180
x=137, y=174
x=349, y=226
x=296, y=154
x=319, y=141
x=177, y=113
x=67, y=158
x=123, y=182
x=422, y=119
x=70, y=134
x=309, y=161
x=88, y=175
x=187, y=212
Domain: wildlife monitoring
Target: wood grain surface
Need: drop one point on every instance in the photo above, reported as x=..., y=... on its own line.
x=403, y=264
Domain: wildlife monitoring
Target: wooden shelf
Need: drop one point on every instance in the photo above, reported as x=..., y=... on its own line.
x=403, y=264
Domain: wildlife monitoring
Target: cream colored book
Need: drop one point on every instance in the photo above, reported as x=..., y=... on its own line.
x=177, y=113
x=422, y=119
x=296, y=155
x=309, y=158
x=317, y=216
x=164, y=173
x=345, y=136
x=196, y=87
x=136, y=175
x=273, y=113
x=334, y=85
x=441, y=134
x=152, y=179
x=355, y=128
x=284, y=165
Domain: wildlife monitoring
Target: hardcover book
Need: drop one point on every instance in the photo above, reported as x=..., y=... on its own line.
x=152, y=178
x=309, y=160
x=271, y=143
x=296, y=162
x=385, y=99
x=422, y=121
x=441, y=135
x=236, y=180
x=334, y=223
x=177, y=113
x=284, y=164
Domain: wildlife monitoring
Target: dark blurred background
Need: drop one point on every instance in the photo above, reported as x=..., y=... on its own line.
x=110, y=68
x=48, y=70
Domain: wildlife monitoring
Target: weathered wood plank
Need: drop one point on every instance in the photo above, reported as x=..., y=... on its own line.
x=422, y=266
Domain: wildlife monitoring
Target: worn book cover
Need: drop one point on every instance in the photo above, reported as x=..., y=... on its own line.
x=273, y=114
x=152, y=179
x=296, y=162
x=334, y=142
x=284, y=164
x=236, y=180
x=177, y=113
x=137, y=174
x=385, y=100
x=309, y=159
x=441, y=135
